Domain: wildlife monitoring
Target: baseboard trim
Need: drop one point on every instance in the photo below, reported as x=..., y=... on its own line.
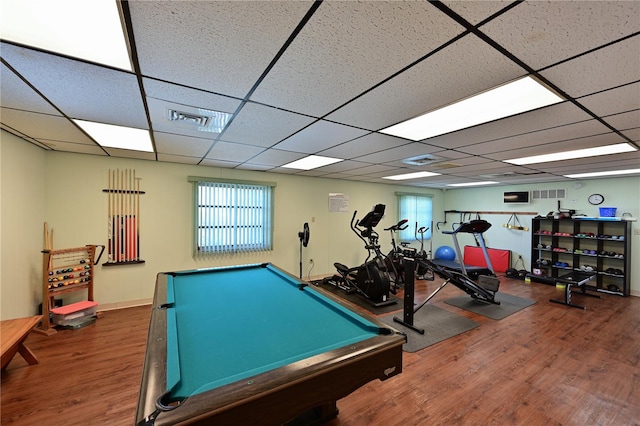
x=122, y=305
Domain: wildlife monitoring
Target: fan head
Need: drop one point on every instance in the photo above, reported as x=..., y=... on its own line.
x=304, y=235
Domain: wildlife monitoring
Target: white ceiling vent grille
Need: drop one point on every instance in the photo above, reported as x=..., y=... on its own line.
x=430, y=160
x=185, y=117
x=201, y=119
x=549, y=194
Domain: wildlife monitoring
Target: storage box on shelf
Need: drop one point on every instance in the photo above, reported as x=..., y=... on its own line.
x=602, y=245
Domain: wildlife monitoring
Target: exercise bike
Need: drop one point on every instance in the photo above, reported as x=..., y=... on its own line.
x=423, y=269
x=394, y=259
x=370, y=280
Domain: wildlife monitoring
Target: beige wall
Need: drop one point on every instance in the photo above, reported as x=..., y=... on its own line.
x=71, y=200
x=22, y=214
x=622, y=193
x=65, y=190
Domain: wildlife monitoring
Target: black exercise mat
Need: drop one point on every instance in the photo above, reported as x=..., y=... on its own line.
x=359, y=300
x=438, y=325
x=509, y=304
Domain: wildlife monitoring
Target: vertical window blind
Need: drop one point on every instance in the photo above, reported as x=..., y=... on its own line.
x=233, y=217
x=415, y=208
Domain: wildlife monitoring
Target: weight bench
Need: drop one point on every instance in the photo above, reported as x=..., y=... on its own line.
x=578, y=278
x=14, y=332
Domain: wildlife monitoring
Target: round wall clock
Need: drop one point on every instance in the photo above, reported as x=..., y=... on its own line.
x=596, y=199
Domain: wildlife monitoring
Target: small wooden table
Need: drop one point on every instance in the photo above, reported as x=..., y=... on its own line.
x=13, y=334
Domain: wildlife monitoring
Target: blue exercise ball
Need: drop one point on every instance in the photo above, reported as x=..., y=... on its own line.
x=445, y=253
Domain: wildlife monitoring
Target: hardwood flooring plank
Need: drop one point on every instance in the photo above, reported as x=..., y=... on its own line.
x=545, y=365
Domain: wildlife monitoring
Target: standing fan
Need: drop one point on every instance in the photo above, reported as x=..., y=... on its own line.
x=304, y=240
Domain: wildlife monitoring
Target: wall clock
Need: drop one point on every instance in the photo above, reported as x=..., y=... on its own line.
x=596, y=199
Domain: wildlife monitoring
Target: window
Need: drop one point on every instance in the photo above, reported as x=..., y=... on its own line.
x=232, y=216
x=415, y=208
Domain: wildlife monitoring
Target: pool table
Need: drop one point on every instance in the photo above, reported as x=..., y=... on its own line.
x=252, y=344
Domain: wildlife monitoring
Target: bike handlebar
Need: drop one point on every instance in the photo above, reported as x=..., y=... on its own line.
x=398, y=226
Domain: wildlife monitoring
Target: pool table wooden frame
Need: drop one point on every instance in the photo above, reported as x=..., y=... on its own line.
x=302, y=392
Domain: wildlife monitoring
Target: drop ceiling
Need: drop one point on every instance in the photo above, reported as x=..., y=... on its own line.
x=324, y=78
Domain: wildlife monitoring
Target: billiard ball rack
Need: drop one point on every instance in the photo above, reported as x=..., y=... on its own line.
x=65, y=271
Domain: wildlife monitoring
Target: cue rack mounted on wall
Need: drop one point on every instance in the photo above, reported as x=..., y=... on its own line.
x=123, y=218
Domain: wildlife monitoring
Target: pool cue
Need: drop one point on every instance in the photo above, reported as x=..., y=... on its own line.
x=138, y=218
x=125, y=240
x=129, y=203
x=109, y=236
x=133, y=216
x=46, y=237
x=120, y=214
x=117, y=212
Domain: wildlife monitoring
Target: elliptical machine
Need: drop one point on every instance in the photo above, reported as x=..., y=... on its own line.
x=371, y=280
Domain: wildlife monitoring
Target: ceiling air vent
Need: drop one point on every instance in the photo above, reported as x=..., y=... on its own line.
x=202, y=120
x=185, y=117
x=430, y=160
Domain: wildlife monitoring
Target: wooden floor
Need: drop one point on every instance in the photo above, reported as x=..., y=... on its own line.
x=548, y=364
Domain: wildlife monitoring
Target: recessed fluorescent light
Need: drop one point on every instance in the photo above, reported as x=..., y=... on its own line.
x=473, y=183
x=524, y=94
x=312, y=162
x=89, y=30
x=415, y=175
x=598, y=174
x=577, y=153
x=112, y=136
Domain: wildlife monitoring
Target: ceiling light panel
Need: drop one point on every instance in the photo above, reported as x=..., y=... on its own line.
x=311, y=162
x=89, y=30
x=473, y=183
x=415, y=175
x=512, y=98
x=575, y=154
x=108, y=135
x=605, y=173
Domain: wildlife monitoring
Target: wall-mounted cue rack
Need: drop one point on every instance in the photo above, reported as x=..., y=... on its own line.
x=123, y=218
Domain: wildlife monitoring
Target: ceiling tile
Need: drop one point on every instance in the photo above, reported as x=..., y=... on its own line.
x=463, y=69
x=168, y=143
x=218, y=46
x=595, y=70
x=320, y=136
x=539, y=142
x=347, y=47
x=264, y=126
x=540, y=119
x=542, y=33
x=44, y=126
x=81, y=90
x=274, y=158
x=234, y=151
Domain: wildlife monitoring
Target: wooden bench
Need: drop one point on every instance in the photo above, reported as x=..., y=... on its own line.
x=13, y=334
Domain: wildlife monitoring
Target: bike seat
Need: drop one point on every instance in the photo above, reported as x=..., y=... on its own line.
x=341, y=268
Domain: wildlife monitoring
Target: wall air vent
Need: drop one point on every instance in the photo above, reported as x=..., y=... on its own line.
x=549, y=194
x=202, y=120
